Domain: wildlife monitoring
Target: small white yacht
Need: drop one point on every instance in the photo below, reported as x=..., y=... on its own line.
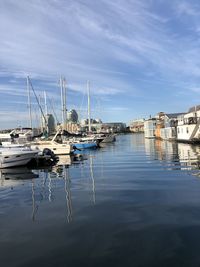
x=57, y=148
x=18, y=135
x=16, y=156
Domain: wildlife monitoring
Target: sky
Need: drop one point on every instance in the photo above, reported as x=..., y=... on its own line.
x=140, y=56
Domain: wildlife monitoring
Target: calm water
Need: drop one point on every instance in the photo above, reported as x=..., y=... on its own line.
x=133, y=203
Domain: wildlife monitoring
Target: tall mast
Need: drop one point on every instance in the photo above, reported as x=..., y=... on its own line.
x=62, y=101
x=42, y=123
x=88, y=91
x=64, y=98
x=29, y=101
x=46, y=112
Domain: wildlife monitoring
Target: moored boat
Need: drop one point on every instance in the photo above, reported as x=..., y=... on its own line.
x=57, y=148
x=13, y=157
x=84, y=145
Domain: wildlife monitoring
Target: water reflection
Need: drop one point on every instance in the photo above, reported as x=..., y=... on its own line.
x=92, y=177
x=144, y=213
x=34, y=204
x=187, y=156
x=67, y=160
x=68, y=193
x=13, y=176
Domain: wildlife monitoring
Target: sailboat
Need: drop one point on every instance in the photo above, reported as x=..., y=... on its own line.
x=57, y=148
x=100, y=138
x=76, y=142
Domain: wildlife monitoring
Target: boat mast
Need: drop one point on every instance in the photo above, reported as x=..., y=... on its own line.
x=88, y=91
x=42, y=123
x=63, y=89
x=45, y=103
x=29, y=101
x=62, y=101
x=46, y=111
x=64, y=98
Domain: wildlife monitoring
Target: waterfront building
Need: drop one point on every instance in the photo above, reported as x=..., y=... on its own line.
x=72, y=116
x=175, y=126
x=98, y=126
x=188, y=129
x=149, y=127
x=169, y=129
x=72, y=127
x=137, y=126
x=112, y=127
x=159, y=124
x=48, y=122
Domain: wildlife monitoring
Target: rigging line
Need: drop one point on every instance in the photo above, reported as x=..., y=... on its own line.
x=37, y=99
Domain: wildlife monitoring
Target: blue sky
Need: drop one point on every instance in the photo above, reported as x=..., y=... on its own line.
x=141, y=56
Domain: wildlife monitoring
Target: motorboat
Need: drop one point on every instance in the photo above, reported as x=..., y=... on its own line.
x=57, y=148
x=108, y=138
x=18, y=135
x=16, y=156
x=81, y=144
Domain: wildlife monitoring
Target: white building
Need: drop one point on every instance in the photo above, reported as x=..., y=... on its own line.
x=149, y=128
x=188, y=125
x=137, y=126
x=72, y=116
x=169, y=132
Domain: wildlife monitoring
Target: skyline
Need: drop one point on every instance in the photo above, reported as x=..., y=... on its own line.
x=141, y=57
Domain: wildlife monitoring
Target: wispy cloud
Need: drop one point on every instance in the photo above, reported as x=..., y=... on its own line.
x=127, y=49
x=187, y=8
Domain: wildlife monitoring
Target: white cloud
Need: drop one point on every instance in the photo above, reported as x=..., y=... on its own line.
x=123, y=47
x=186, y=8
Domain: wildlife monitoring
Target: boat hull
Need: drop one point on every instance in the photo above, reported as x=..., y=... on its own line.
x=58, y=149
x=109, y=139
x=85, y=145
x=16, y=159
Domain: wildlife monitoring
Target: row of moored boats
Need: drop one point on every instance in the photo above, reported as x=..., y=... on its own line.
x=18, y=147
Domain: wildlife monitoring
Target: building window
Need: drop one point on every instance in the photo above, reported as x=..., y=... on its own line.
x=187, y=131
x=178, y=130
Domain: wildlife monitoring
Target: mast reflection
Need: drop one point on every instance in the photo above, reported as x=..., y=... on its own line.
x=68, y=193
x=92, y=178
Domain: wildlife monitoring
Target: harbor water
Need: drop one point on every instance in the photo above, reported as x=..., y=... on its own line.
x=135, y=202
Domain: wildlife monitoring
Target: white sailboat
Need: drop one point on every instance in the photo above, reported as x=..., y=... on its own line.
x=104, y=138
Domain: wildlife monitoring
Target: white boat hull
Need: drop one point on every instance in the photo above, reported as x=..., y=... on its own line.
x=16, y=158
x=58, y=149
